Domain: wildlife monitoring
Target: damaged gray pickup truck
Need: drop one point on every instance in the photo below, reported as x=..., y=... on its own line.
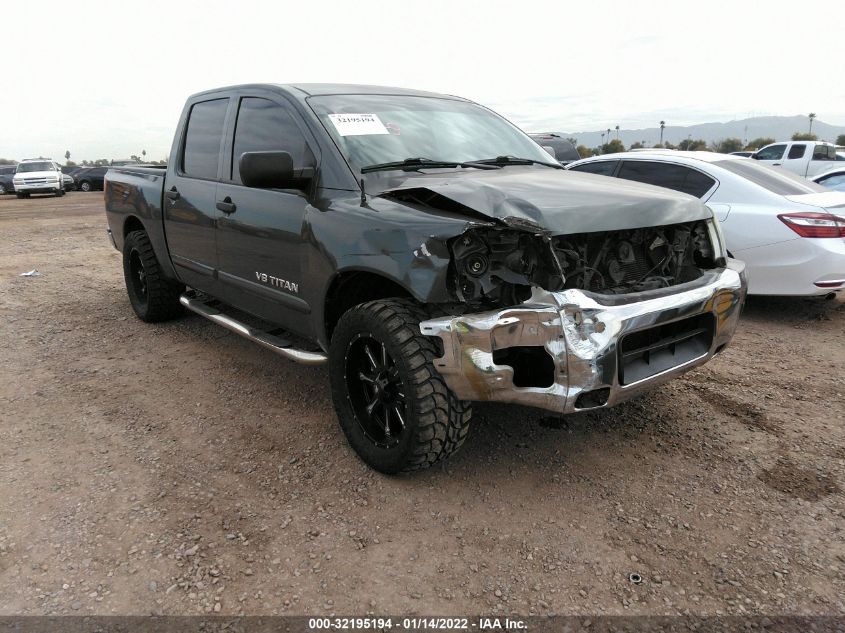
x=426, y=249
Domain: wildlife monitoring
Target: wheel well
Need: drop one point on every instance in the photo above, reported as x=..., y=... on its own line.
x=353, y=288
x=132, y=224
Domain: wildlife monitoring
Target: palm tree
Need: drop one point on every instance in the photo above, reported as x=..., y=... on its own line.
x=602, y=140
x=617, y=132
x=144, y=154
x=662, y=125
x=811, y=116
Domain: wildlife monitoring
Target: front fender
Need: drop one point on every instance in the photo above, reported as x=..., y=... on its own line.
x=406, y=246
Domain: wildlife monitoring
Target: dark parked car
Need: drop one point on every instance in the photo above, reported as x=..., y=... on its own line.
x=427, y=250
x=6, y=174
x=90, y=178
x=565, y=151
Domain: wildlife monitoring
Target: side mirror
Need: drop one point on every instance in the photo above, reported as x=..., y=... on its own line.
x=550, y=151
x=272, y=170
x=754, y=156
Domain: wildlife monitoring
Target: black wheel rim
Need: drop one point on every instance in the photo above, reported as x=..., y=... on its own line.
x=376, y=391
x=137, y=276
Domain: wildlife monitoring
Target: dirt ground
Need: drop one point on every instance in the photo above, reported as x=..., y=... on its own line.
x=179, y=469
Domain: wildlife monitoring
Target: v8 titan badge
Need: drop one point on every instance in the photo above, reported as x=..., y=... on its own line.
x=358, y=124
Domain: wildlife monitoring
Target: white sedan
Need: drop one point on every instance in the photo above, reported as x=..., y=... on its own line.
x=789, y=230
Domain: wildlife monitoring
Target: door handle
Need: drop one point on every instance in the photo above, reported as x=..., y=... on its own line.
x=775, y=164
x=226, y=206
x=172, y=194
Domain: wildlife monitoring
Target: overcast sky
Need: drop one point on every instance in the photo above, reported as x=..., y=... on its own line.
x=108, y=79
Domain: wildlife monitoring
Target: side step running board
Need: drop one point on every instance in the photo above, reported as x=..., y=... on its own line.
x=273, y=343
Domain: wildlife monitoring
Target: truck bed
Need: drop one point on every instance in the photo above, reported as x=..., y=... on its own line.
x=136, y=192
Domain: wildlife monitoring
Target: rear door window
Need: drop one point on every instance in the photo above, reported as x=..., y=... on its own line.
x=797, y=151
x=773, y=152
x=203, y=138
x=697, y=184
x=264, y=125
x=600, y=167
x=668, y=175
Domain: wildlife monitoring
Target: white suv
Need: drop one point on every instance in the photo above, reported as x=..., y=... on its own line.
x=38, y=175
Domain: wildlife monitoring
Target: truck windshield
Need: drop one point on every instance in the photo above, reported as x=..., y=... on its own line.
x=378, y=129
x=23, y=167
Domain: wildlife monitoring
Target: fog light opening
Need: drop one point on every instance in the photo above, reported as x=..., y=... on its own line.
x=532, y=365
x=592, y=399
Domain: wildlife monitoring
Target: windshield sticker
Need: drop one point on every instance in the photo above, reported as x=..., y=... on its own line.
x=358, y=124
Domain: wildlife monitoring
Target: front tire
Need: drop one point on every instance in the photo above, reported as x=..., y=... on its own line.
x=60, y=193
x=2, y=189
x=153, y=297
x=393, y=406
x=22, y=195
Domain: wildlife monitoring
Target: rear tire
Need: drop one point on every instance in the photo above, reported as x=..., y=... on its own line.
x=153, y=297
x=392, y=404
x=85, y=186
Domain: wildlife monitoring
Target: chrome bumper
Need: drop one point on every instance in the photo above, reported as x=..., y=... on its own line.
x=581, y=331
x=39, y=187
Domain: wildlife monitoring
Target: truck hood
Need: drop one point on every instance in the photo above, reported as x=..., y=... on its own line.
x=21, y=175
x=559, y=202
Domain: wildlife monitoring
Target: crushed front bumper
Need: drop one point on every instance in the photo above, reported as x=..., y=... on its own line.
x=604, y=348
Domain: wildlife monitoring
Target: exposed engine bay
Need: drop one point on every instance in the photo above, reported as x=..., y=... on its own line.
x=498, y=266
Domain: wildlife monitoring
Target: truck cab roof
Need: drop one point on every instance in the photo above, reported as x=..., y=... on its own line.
x=319, y=89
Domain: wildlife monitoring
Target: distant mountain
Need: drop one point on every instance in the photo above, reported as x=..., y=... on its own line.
x=781, y=128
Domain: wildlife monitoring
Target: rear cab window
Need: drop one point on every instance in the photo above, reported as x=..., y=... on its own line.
x=824, y=152
x=668, y=175
x=204, y=138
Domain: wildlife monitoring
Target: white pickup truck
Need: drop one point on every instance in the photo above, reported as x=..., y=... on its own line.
x=805, y=158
